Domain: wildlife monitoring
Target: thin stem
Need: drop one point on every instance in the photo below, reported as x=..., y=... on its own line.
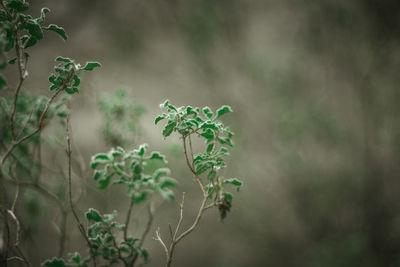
x=190, y=165
x=128, y=218
x=188, y=231
x=80, y=225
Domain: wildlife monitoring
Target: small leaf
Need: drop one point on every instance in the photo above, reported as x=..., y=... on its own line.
x=157, y=155
x=210, y=147
x=59, y=30
x=93, y=215
x=168, y=182
x=75, y=257
x=3, y=83
x=18, y=5
x=91, y=65
x=142, y=149
x=159, y=118
x=235, y=182
x=169, y=128
x=77, y=81
x=139, y=197
x=208, y=112
x=223, y=110
x=63, y=59
x=12, y=61
x=31, y=42
x=167, y=194
x=55, y=262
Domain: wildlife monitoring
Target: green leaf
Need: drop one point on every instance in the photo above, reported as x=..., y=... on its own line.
x=55, y=262
x=33, y=28
x=144, y=254
x=235, y=182
x=139, y=197
x=157, y=155
x=75, y=257
x=59, y=30
x=160, y=172
x=223, y=110
x=103, y=183
x=167, y=194
x=3, y=83
x=168, y=182
x=18, y=5
x=169, y=128
x=43, y=13
x=208, y=112
x=93, y=215
x=212, y=174
x=142, y=149
x=91, y=65
x=77, y=81
x=159, y=118
x=12, y=61
x=63, y=59
x=31, y=42
x=210, y=147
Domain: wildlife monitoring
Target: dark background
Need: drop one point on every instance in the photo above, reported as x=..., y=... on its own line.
x=314, y=86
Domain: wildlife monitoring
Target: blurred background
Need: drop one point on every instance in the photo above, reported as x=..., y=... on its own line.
x=314, y=86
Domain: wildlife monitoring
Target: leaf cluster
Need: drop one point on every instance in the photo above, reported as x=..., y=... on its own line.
x=21, y=31
x=206, y=125
x=65, y=76
x=129, y=168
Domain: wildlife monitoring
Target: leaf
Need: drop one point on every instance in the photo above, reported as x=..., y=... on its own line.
x=103, y=183
x=77, y=81
x=33, y=28
x=142, y=149
x=208, y=112
x=223, y=110
x=235, y=182
x=212, y=174
x=75, y=257
x=169, y=128
x=63, y=59
x=144, y=254
x=139, y=197
x=210, y=147
x=91, y=65
x=157, y=155
x=12, y=61
x=168, y=182
x=93, y=215
x=18, y=5
x=3, y=83
x=31, y=42
x=159, y=118
x=55, y=262
x=160, y=172
x=57, y=29
x=43, y=13
x=69, y=90
x=167, y=194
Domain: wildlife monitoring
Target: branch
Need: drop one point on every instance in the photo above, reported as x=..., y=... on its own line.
x=80, y=225
x=190, y=165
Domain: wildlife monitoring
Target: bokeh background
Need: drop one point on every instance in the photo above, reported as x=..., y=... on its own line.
x=314, y=86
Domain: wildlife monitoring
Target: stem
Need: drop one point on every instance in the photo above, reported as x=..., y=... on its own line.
x=128, y=218
x=188, y=231
x=80, y=225
x=190, y=165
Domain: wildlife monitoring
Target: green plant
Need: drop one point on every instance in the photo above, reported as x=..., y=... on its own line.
x=186, y=122
x=26, y=116
x=143, y=174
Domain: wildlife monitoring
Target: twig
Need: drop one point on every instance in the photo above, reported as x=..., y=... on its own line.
x=190, y=165
x=128, y=218
x=16, y=244
x=80, y=225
